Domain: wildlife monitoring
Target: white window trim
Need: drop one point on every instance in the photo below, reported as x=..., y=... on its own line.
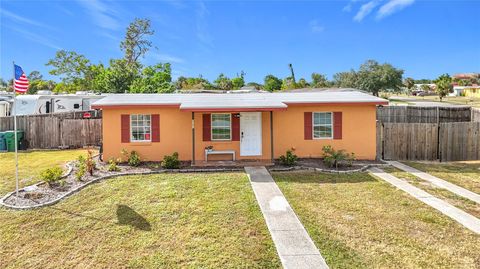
x=131, y=134
x=313, y=125
x=211, y=127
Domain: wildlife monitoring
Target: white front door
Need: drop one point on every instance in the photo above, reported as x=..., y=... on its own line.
x=250, y=134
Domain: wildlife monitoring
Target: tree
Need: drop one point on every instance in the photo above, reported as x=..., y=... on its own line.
x=189, y=83
x=319, y=81
x=154, y=79
x=256, y=85
x=374, y=77
x=3, y=84
x=444, y=85
x=302, y=83
x=34, y=75
x=345, y=79
x=409, y=84
x=136, y=44
x=117, y=78
x=69, y=65
x=40, y=85
x=239, y=81
x=272, y=83
x=223, y=83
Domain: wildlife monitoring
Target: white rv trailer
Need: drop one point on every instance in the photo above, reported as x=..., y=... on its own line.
x=45, y=103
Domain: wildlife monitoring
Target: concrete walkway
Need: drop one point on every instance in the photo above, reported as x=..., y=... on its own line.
x=294, y=246
x=470, y=222
x=438, y=182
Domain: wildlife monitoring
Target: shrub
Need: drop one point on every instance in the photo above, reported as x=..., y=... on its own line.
x=81, y=167
x=336, y=158
x=52, y=175
x=171, y=161
x=134, y=159
x=289, y=159
x=89, y=162
x=112, y=165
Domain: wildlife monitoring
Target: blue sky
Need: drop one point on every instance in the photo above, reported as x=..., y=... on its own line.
x=425, y=38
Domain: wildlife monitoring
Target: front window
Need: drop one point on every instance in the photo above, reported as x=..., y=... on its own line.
x=140, y=128
x=221, y=126
x=322, y=125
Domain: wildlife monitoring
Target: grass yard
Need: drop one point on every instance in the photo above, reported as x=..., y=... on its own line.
x=358, y=221
x=466, y=175
x=30, y=164
x=155, y=221
x=458, y=201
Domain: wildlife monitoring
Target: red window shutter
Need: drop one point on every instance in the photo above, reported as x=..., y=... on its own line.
x=155, y=128
x=337, y=125
x=307, y=117
x=207, y=127
x=125, y=128
x=236, y=127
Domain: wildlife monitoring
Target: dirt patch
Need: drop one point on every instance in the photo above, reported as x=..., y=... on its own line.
x=318, y=163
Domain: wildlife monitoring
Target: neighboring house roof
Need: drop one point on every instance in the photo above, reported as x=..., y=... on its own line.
x=239, y=101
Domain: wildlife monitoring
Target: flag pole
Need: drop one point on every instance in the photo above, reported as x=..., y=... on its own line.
x=15, y=130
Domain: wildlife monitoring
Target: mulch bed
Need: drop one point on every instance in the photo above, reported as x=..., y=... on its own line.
x=317, y=163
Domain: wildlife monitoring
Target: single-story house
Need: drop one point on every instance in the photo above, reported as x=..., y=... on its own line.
x=242, y=126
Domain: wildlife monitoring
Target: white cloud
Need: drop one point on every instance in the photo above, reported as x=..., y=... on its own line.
x=315, y=27
x=202, y=26
x=393, y=6
x=7, y=14
x=103, y=14
x=40, y=39
x=349, y=6
x=365, y=9
x=166, y=58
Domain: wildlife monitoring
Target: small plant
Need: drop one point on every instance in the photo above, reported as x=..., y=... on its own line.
x=134, y=159
x=89, y=162
x=81, y=168
x=112, y=165
x=171, y=161
x=289, y=159
x=336, y=158
x=52, y=176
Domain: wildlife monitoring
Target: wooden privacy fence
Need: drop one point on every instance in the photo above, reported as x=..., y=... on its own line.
x=418, y=114
x=476, y=114
x=58, y=130
x=453, y=141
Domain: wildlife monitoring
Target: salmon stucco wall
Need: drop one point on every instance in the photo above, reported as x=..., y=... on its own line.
x=358, y=131
x=175, y=134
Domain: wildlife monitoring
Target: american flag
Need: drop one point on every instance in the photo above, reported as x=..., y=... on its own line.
x=20, y=82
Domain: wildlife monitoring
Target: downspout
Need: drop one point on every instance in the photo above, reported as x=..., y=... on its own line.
x=193, y=138
x=271, y=137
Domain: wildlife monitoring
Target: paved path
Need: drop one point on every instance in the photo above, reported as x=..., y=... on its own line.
x=462, y=217
x=294, y=246
x=438, y=182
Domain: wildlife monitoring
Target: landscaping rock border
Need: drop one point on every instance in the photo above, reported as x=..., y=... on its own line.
x=77, y=189
x=303, y=167
x=70, y=166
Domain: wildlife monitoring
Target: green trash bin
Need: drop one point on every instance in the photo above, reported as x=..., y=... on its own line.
x=3, y=145
x=10, y=139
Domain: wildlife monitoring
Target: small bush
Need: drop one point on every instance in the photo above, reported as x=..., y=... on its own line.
x=337, y=158
x=89, y=162
x=289, y=159
x=52, y=175
x=134, y=159
x=112, y=165
x=171, y=162
x=81, y=168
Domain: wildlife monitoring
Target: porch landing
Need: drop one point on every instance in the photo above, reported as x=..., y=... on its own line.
x=237, y=163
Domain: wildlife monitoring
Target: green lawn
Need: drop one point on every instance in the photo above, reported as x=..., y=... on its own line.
x=358, y=221
x=458, y=201
x=30, y=164
x=466, y=175
x=155, y=221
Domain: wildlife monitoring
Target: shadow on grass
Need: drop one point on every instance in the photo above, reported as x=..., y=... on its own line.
x=128, y=216
x=322, y=178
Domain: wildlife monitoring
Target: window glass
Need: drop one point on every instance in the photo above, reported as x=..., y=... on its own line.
x=221, y=126
x=322, y=125
x=140, y=128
